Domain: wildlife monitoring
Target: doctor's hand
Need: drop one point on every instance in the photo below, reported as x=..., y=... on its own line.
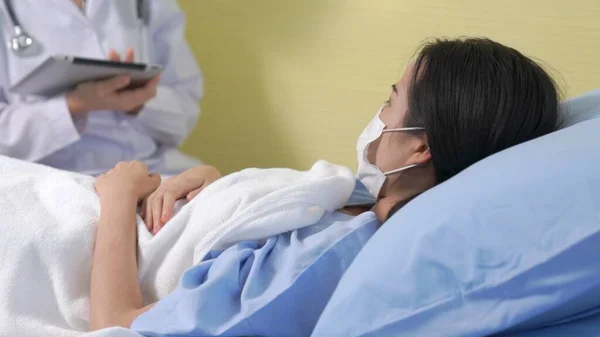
x=127, y=181
x=129, y=58
x=111, y=94
x=116, y=57
x=157, y=209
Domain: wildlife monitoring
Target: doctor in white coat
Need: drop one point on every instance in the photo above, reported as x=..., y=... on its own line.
x=98, y=124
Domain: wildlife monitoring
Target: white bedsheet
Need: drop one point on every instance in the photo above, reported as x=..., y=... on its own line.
x=48, y=220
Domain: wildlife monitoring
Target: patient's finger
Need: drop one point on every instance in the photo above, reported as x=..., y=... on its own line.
x=197, y=191
x=167, y=207
x=193, y=194
x=144, y=213
x=156, y=209
x=143, y=209
x=148, y=221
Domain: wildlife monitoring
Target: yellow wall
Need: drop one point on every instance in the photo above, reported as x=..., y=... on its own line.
x=292, y=81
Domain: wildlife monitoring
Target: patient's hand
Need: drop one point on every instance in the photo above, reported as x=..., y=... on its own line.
x=157, y=209
x=127, y=180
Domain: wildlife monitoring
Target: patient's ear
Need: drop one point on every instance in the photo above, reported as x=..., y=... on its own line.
x=421, y=153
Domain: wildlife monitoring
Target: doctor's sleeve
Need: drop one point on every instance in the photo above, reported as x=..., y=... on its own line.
x=33, y=131
x=171, y=115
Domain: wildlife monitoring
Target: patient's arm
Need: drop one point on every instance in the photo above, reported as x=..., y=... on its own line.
x=115, y=295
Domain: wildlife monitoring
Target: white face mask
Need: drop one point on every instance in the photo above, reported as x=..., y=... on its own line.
x=368, y=174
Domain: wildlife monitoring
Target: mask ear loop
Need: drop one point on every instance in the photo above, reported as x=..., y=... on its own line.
x=400, y=169
x=415, y=128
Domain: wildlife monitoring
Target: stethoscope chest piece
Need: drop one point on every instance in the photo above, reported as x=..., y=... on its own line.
x=22, y=44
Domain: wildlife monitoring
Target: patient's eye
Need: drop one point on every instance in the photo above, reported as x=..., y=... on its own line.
x=388, y=102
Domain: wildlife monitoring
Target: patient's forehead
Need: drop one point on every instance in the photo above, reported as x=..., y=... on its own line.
x=404, y=81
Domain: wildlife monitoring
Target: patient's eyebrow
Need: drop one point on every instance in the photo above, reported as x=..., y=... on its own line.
x=394, y=88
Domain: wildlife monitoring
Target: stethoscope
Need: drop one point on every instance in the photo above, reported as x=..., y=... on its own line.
x=22, y=44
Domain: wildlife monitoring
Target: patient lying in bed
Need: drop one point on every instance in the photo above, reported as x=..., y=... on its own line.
x=443, y=115
x=260, y=251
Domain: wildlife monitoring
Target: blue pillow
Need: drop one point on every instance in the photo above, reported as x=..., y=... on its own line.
x=581, y=108
x=513, y=242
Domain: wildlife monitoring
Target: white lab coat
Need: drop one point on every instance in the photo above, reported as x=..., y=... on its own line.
x=40, y=129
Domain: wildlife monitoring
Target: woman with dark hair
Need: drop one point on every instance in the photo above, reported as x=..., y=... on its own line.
x=458, y=102
x=465, y=100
